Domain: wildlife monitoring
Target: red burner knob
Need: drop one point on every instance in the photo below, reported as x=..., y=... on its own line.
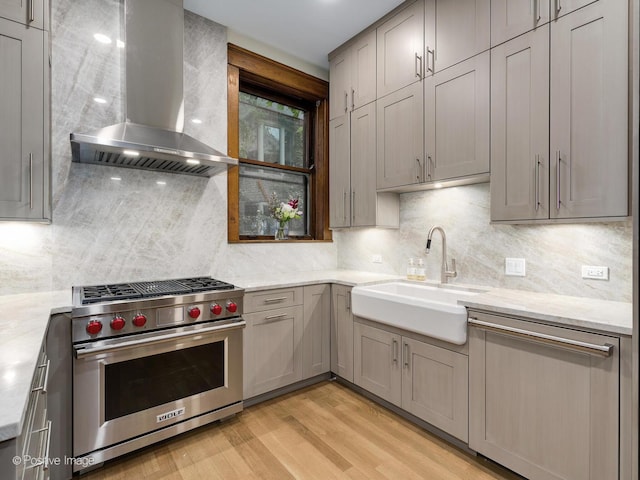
x=94, y=327
x=194, y=312
x=117, y=323
x=216, y=309
x=232, y=307
x=139, y=320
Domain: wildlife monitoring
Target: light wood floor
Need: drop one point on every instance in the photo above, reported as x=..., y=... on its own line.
x=322, y=432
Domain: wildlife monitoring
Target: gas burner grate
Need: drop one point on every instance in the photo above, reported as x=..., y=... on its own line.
x=127, y=291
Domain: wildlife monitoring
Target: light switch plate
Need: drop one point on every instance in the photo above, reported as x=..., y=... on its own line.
x=376, y=258
x=595, y=273
x=515, y=267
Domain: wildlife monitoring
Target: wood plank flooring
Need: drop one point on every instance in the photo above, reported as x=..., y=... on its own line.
x=325, y=431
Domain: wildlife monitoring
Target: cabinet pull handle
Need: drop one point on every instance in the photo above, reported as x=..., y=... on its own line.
x=394, y=344
x=428, y=166
x=605, y=350
x=348, y=301
x=537, y=187
x=558, y=159
x=418, y=72
x=275, y=300
x=47, y=448
x=353, y=206
x=43, y=387
x=31, y=11
x=275, y=317
x=31, y=181
x=431, y=52
x=418, y=170
x=346, y=102
x=405, y=354
x=536, y=10
x=353, y=99
x=558, y=7
x=344, y=206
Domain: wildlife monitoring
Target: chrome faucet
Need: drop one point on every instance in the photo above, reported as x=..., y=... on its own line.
x=445, y=273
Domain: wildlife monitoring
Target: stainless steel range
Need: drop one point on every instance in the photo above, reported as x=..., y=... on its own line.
x=151, y=360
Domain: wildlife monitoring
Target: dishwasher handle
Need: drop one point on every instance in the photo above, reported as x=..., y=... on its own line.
x=605, y=350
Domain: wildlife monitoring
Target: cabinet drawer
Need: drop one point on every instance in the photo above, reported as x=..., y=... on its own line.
x=272, y=299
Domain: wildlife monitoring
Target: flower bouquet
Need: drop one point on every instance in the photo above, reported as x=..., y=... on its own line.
x=283, y=212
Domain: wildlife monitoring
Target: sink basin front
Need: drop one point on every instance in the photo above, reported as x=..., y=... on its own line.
x=423, y=309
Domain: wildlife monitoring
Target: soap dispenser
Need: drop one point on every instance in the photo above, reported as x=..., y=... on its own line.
x=421, y=273
x=411, y=270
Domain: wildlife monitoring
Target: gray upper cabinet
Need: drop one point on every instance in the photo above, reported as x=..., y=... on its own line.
x=457, y=120
x=400, y=46
x=352, y=72
x=589, y=111
x=27, y=12
x=583, y=172
x=400, y=133
x=520, y=127
x=455, y=30
x=340, y=172
x=510, y=18
x=24, y=130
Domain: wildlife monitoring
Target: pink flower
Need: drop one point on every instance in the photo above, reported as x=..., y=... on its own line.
x=293, y=203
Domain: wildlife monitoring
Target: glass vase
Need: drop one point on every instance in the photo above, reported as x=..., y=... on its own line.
x=282, y=231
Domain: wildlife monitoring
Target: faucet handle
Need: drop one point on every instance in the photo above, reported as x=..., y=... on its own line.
x=452, y=272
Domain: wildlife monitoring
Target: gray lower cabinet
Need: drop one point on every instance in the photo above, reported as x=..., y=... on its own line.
x=272, y=351
x=341, y=332
x=287, y=337
x=544, y=400
x=424, y=379
x=33, y=442
x=24, y=127
x=316, y=349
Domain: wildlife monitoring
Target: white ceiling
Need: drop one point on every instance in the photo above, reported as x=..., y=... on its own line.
x=307, y=29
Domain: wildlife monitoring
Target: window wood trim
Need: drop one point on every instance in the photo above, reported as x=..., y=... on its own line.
x=260, y=71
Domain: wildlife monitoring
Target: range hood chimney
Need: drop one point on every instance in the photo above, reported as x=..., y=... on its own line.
x=152, y=136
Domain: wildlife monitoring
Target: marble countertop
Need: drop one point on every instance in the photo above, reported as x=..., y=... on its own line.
x=23, y=324
x=24, y=319
x=601, y=315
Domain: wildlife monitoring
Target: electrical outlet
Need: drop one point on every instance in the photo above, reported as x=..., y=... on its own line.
x=376, y=258
x=595, y=273
x=515, y=267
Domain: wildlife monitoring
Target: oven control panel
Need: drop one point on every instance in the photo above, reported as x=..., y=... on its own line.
x=124, y=322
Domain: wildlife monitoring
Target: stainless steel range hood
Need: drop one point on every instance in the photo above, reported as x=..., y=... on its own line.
x=152, y=137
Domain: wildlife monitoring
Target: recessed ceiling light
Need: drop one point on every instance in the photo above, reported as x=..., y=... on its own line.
x=160, y=182
x=116, y=179
x=197, y=121
x=131, y=153
x=100, y=37
x=193, y=161
x=99, y=100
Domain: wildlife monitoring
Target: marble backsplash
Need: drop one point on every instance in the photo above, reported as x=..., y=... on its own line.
x=107, y=230
x=554, y=253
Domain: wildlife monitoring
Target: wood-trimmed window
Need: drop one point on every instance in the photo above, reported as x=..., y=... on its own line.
x=257, y=81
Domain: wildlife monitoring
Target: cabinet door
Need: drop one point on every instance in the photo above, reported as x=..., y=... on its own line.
x=339, y=84
x=455, y=30
x=363, y=70
x=339, y=172
x=520, y=127
x=400, y=44
x=316, y=355
x=363, y=166
x=26, y=12
x=22, y=132
x=400, y=129
x=510, y=18
x=457, y=120
x=377, y=362
x=543, y=411
x=435, y=386
x=341, y=332
x=589, y=109
x=272, y=349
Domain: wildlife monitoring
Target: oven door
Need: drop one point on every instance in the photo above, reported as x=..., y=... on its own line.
x=127, y=387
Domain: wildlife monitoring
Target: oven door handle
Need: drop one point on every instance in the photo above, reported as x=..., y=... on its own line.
x=83, y=352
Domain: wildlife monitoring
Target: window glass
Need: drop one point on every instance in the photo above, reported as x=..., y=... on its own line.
x=272, y=132
x=263, y=188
